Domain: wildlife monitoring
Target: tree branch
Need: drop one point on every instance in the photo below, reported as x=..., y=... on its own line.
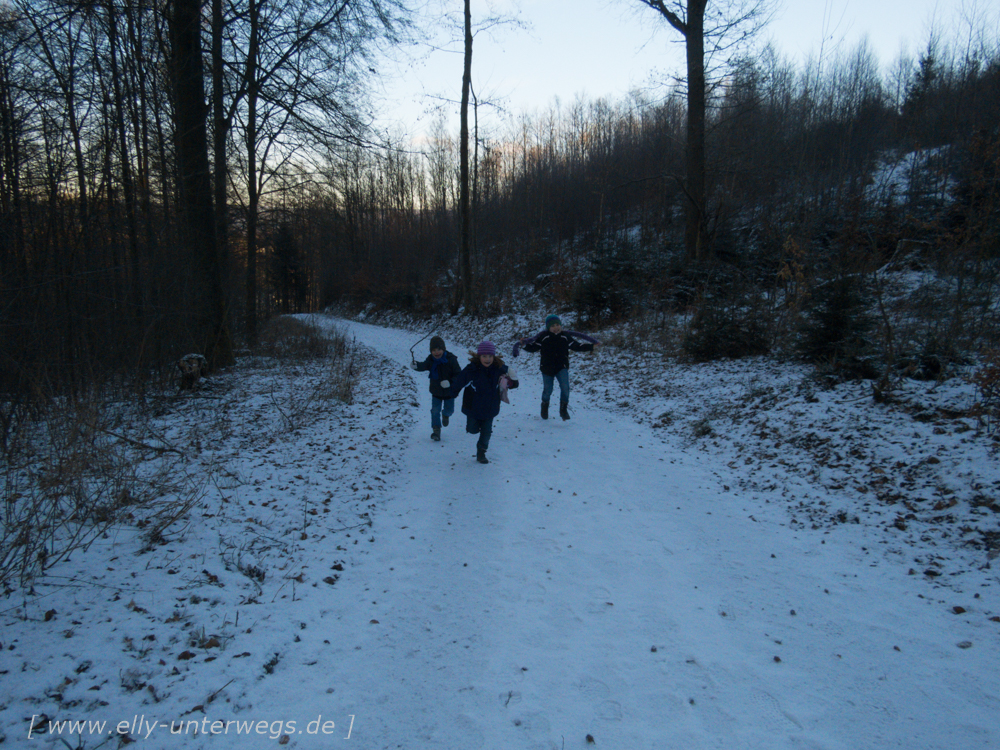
x=672, y=18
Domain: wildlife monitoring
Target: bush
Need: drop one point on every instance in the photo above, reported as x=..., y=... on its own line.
x=725, y=331
x=74, y=476
x=837, y=326
x=987, y=382
x=285, y=337
x=611, y=282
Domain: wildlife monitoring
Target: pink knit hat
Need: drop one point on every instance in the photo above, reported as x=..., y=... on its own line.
x=486, y=347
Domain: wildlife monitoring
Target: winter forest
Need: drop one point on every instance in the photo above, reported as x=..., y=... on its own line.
x=155, y=201
x=793, y=268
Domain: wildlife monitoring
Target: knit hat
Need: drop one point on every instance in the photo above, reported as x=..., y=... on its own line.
x=486, y=347
x=437, y=343
x=552, y=320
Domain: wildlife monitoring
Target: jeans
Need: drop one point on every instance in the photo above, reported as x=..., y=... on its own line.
x=548, y=381
x=437, y=410
x=482, y=427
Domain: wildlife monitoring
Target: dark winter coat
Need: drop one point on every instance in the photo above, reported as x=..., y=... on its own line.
x=481, y=399
x=447, y=370
x=555, y=350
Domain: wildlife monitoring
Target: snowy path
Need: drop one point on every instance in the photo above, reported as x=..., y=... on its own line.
x=346, y=582
x=593, y=580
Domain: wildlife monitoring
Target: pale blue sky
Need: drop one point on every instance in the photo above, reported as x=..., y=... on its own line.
x=607, y=47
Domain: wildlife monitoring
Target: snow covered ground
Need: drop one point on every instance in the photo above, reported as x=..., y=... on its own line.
x=721, y=556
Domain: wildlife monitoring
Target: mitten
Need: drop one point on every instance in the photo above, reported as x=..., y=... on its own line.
x=446, y=384
x=413, y=365
x=510, y=373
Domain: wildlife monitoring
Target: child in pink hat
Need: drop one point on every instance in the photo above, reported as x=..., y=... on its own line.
x=481, y=379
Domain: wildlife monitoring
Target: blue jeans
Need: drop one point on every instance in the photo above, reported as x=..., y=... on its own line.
x=548, y=381
x=482, y=427
x=448, y=409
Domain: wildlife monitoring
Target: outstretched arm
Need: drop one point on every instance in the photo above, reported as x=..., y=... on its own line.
x=459, y=382
x=531, y=344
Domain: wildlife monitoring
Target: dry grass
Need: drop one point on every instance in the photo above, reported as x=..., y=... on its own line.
x=74, y=474
x=290, y=338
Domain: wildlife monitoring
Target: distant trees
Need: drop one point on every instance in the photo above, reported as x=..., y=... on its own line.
x=113, y=238
x=110, y=137
x=292, y=80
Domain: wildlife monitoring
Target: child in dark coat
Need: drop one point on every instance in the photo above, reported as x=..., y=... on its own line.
x=555, y=345
x=443, y=367
x=481, y=379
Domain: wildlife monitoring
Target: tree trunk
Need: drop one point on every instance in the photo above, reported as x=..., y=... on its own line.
x=220, y=136
x=694, y=233
x=128, y=184
x=194, y=178
x=465, y=252
x=692, y=27
x=253, y=198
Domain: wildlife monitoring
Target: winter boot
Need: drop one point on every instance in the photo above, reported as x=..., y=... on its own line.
x=564, y=410
x=481, y=456
x=545, y=409
x=436, y=433
x=444, y=420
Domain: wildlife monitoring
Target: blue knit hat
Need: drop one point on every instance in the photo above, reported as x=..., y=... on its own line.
x=486, y=347
x=552, y=320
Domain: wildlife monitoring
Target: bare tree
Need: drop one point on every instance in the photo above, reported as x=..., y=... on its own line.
x=465, y=253
x=296, y=71
x=710, y=30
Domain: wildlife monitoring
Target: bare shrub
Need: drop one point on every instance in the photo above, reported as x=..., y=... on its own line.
x=341, y=378
x=286, y=337
x=650, y=331
x=74, y=477
x=987, y=381
x=303, y=383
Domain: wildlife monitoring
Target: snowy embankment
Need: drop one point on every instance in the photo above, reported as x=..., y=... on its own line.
x=684, y=580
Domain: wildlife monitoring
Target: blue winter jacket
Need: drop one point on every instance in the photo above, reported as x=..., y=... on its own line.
x=482, y=397
x=445, y=370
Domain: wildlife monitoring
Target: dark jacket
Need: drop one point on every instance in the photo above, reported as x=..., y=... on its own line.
x=447, y=370
x=482, y=397
x=555, y=350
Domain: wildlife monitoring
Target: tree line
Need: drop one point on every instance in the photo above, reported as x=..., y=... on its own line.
x=147, y=154
x=112, y=202
x=810, y=156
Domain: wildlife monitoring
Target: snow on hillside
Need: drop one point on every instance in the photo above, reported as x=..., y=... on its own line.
x=713, y=556
x=912, y=176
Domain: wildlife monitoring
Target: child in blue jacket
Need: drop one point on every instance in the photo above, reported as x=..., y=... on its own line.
x=481, y=379
x=441, y=366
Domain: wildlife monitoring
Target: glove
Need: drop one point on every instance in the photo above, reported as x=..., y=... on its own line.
x=446, y=384
x=413, y=365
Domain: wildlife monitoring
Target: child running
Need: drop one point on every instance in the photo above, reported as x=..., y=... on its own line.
x=443, y=366
x=555, y=344
x=481, y=379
